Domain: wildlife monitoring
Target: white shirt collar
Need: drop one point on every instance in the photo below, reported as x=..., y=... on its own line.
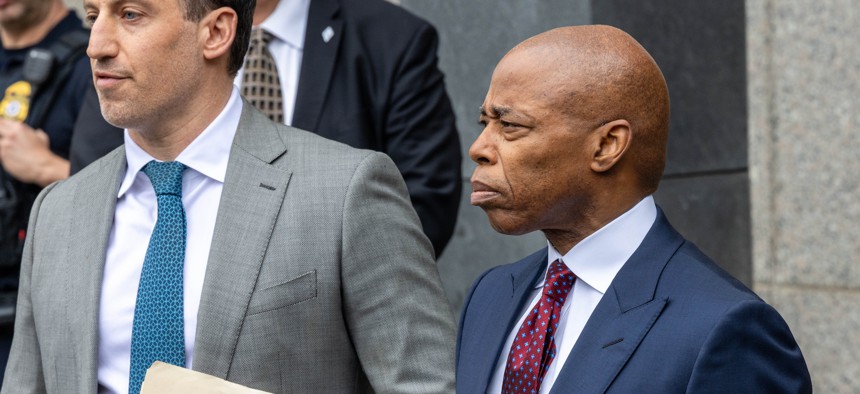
x=288, y=22
x=597, y=259
x=207, y=154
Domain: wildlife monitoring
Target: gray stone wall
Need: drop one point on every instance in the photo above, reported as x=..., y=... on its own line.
x=804, y=117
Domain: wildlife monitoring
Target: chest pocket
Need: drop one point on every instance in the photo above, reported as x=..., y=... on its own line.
x=291, y=292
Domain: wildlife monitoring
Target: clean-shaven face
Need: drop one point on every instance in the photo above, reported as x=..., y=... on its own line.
x=533, y=161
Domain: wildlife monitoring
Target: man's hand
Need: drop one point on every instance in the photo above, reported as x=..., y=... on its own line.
x=25, y=154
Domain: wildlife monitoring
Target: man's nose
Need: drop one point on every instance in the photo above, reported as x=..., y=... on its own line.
x=481, y=151
x=102, y=40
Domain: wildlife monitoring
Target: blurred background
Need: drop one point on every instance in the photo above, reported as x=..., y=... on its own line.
x=763, y=170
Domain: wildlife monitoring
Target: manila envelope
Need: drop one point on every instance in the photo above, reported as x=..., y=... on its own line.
x=163, y=378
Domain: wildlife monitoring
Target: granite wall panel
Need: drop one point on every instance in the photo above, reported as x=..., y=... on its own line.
x=803, y=69
x=713, y=212
x=699, y=45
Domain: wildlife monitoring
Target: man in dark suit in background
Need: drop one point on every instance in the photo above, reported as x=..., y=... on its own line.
x=360, y=72
x=574, y=144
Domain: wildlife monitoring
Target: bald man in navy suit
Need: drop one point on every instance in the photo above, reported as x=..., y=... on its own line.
x=574, y=144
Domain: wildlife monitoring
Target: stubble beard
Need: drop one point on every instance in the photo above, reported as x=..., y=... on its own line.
x=117, y=111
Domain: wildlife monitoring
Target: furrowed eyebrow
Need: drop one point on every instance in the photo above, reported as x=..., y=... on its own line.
x=495, y=111
x=119, y=3
x=501, y=110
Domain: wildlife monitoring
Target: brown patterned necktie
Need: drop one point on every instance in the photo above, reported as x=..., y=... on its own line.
x=260, y=82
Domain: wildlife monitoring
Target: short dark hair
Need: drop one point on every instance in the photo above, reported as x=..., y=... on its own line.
x=195, y=10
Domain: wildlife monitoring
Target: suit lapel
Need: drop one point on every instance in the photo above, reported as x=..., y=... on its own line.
x=317, y=62
x=95, y=200
x=503, y=311
x=250, y=203
x=622, y=318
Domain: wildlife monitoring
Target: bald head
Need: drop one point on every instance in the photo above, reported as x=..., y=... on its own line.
x=575, y=123
x=599, y=74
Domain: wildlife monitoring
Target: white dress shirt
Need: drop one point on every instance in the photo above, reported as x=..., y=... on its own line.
x=287, y=24
x=595, y=261
x=136, y=211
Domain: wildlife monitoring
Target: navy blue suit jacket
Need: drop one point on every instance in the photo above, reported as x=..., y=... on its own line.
x=672, y=321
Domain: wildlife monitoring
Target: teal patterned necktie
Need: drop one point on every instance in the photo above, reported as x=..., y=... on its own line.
x=158, y=330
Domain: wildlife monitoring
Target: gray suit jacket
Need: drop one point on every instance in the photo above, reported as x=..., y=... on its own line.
x=319, y=277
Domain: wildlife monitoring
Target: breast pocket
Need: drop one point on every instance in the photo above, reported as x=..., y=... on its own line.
x=291, y=292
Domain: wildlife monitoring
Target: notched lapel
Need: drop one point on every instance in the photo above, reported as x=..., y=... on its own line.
x=623, y=317
x=251, y=200
x=609, y=339
x=502, y=312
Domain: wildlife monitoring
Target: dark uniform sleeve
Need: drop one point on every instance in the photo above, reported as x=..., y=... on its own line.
x=93, y=136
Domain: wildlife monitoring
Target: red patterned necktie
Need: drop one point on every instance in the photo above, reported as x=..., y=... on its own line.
x=534, y=348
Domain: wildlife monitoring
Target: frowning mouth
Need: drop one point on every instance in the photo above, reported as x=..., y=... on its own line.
x=482, y=193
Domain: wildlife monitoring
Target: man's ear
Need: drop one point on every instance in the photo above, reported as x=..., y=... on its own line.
x=614, y=139
x=217, y=32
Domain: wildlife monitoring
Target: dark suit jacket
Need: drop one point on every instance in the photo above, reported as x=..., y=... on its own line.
x=671, y=322
x=373, y=85
x=93, y=136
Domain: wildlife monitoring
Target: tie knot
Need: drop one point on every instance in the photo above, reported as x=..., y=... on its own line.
x=559, y=281
x=166, y=177
x=260, y=36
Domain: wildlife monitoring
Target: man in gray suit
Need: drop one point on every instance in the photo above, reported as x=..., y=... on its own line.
x=304, y=266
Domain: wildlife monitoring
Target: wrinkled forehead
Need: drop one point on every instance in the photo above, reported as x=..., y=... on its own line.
x=536, y=76
x=514, y=85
